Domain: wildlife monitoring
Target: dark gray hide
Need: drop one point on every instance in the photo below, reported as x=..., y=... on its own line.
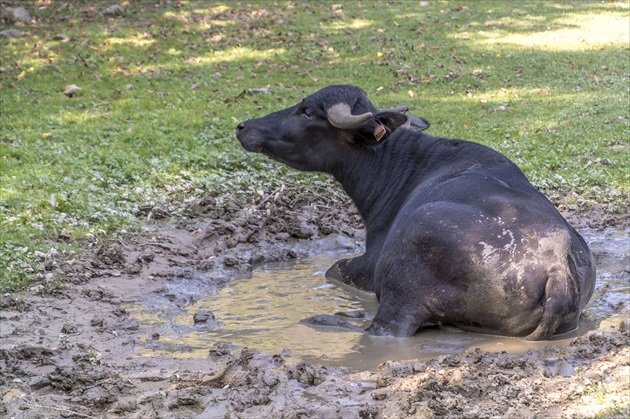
x=455, y=231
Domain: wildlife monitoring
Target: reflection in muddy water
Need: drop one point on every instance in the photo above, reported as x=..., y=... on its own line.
x=264, y=313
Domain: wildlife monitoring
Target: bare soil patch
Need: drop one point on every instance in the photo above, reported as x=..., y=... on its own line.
x=72, y=354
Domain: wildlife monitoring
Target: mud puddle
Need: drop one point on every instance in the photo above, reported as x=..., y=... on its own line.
x=264, y=311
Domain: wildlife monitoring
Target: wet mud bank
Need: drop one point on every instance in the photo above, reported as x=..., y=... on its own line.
x=108, y=343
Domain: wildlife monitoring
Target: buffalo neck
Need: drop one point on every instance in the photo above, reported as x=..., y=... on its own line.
x=380, y=178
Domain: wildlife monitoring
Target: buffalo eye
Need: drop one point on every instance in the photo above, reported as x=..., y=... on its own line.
x=307, y=112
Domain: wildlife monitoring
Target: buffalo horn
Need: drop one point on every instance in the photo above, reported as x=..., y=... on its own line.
x=340, y=116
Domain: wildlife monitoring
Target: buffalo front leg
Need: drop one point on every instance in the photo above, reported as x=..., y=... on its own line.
x=357, y=272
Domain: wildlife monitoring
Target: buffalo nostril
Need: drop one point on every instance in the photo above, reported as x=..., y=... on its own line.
x=240, y=127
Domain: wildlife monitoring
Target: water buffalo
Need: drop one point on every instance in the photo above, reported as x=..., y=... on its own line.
x=455, y=231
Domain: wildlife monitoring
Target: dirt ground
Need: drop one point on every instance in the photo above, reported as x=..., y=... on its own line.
x=71, y=354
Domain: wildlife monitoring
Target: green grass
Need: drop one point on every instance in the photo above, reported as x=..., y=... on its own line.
x=163, y=87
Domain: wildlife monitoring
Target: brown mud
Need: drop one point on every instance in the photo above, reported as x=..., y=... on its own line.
x=74, y=354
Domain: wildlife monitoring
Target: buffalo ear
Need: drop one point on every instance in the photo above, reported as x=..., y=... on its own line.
x=378, y=128
x=418, y=123
x=382, y=125
x=391, y=120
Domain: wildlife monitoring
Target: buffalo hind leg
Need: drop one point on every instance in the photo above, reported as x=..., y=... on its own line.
x=396, y=321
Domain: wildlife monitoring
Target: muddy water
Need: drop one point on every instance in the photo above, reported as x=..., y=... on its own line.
x=264, y=312
x=611, y=249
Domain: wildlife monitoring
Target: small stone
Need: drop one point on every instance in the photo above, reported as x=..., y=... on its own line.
x=222, y=349
x=61, y=37
x=38, y=382
x=304, y=231
x=146, y=257
x=132, y=269
x=19, y=13
x=71, y=90
x=230, y=261
x=10, y=33
x=97, y=321
x=203, y=317
x=379, y=395
x=114, y=10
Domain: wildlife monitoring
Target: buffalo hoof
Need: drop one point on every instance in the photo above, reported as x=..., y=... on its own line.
x=325, y=321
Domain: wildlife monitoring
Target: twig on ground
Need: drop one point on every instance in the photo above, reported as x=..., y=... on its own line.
x=60, y=409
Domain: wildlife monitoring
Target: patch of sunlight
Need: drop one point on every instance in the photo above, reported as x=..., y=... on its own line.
x=215, y=10
x=606, y=400
x=32, y=62
x=79, y=117
x=350, y=24
x=237, y=54
x=191, y=17
x=180, y=16
x=7, y=193
x=137, y=41
x=205, y=11
x=513, y=94
x=571, y=33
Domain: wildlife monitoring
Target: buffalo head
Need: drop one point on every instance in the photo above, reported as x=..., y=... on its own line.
x=313, y=134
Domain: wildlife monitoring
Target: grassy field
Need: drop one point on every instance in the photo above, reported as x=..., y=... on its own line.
x=164, y=84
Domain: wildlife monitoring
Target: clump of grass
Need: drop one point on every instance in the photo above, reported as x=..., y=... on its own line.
x=163, y=86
